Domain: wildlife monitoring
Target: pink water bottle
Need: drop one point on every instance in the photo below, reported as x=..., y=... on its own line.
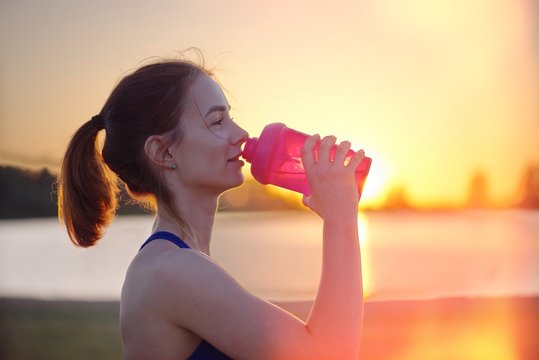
x=275, y=159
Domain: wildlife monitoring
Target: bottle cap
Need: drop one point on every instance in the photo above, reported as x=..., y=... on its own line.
x=249, y=149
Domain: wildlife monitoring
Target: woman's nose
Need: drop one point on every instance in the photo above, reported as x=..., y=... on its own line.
x=240, y=135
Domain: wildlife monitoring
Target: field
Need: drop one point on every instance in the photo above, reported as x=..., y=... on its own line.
x=452, y=328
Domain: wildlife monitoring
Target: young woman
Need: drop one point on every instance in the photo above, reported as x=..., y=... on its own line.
x=170, y=139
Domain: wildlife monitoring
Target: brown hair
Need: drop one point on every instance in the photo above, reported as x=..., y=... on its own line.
x=147, y=102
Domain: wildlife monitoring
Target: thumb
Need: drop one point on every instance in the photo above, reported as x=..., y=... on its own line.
x=310, y=202
x=306, y=200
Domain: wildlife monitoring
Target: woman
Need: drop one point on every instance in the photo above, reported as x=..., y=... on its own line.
x=169, y=138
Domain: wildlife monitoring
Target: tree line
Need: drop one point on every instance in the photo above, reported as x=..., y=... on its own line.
x=26, y=194
x=525, y=196
x=30, y=194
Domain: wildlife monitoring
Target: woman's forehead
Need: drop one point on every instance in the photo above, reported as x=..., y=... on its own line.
x=206, y=93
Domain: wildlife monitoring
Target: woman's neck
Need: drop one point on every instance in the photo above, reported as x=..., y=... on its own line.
x=198, y=213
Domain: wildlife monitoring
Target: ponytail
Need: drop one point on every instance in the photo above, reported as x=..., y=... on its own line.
x=87, y=188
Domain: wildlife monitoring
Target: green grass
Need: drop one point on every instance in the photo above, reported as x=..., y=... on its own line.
x=59, y=330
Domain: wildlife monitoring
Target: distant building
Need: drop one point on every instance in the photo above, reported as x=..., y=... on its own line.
x=528, y=193
x=478, y=197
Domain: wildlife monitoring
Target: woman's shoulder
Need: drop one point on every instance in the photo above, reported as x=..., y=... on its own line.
x=164, y=263
x=169, y=282
x=162, y=271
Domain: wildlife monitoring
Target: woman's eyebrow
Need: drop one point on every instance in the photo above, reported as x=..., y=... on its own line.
x=217, y=108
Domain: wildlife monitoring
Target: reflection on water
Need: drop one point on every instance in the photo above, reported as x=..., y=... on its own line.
x=454, y=254
x=404, y=255
x=278, y=255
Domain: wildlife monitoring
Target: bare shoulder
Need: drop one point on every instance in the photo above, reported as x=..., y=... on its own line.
x=172, y=280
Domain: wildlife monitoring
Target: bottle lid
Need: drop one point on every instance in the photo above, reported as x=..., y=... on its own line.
x=259, y=152
x=249, y=149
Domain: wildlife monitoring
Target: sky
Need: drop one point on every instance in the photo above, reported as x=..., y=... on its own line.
x=433, y=91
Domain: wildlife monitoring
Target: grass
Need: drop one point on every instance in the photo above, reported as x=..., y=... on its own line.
x=439, y=329
x=59, y=330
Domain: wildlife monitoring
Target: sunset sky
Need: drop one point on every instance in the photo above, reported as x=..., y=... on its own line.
x=432, y=90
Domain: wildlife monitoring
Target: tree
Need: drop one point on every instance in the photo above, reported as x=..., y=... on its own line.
x=397, y=198
x=529, y=188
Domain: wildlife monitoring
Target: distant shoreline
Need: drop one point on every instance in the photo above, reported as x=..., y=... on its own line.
x=364, y=211
x=27, y=193
x=297, y=306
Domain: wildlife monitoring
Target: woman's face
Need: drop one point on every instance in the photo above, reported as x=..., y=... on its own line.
x=208, y=153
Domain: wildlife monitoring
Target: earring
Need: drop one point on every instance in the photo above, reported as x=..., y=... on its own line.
x=173, y=166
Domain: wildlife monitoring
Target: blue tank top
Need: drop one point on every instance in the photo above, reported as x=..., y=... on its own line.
x=204, y=351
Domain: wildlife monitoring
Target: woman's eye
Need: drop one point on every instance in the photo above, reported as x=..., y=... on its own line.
x=218, y=121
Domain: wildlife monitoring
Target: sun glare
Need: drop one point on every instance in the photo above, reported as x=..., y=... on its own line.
x=483, y=338
x=376, y=186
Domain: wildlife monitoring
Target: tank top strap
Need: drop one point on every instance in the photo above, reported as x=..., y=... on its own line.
x=165, y=235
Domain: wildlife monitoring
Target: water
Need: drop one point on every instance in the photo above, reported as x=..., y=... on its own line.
x=278, y=255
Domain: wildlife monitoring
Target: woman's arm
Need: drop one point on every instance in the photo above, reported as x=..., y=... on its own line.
x=337, y=312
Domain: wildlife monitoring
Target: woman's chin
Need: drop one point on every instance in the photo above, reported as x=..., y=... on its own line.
x=230, y=184
x=238, y=182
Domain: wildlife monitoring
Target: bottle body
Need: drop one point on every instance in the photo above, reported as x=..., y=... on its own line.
x=275, y=159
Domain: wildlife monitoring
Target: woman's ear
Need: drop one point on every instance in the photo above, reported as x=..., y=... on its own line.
x=158, y=153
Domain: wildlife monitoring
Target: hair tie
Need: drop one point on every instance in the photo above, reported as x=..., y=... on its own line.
x=98, y=122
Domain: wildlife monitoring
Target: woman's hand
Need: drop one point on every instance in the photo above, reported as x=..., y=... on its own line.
x=334, y=192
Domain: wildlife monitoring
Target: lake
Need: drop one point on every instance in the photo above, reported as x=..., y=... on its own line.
x=277, y=255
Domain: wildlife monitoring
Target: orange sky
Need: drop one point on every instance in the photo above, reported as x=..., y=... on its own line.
x=432, y=90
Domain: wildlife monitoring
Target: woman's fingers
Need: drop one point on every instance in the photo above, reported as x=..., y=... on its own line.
x=307, y=152
x=324, y=153
x=340, y=153
x=330, y=176
x=356, y=159
x=324, y=149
